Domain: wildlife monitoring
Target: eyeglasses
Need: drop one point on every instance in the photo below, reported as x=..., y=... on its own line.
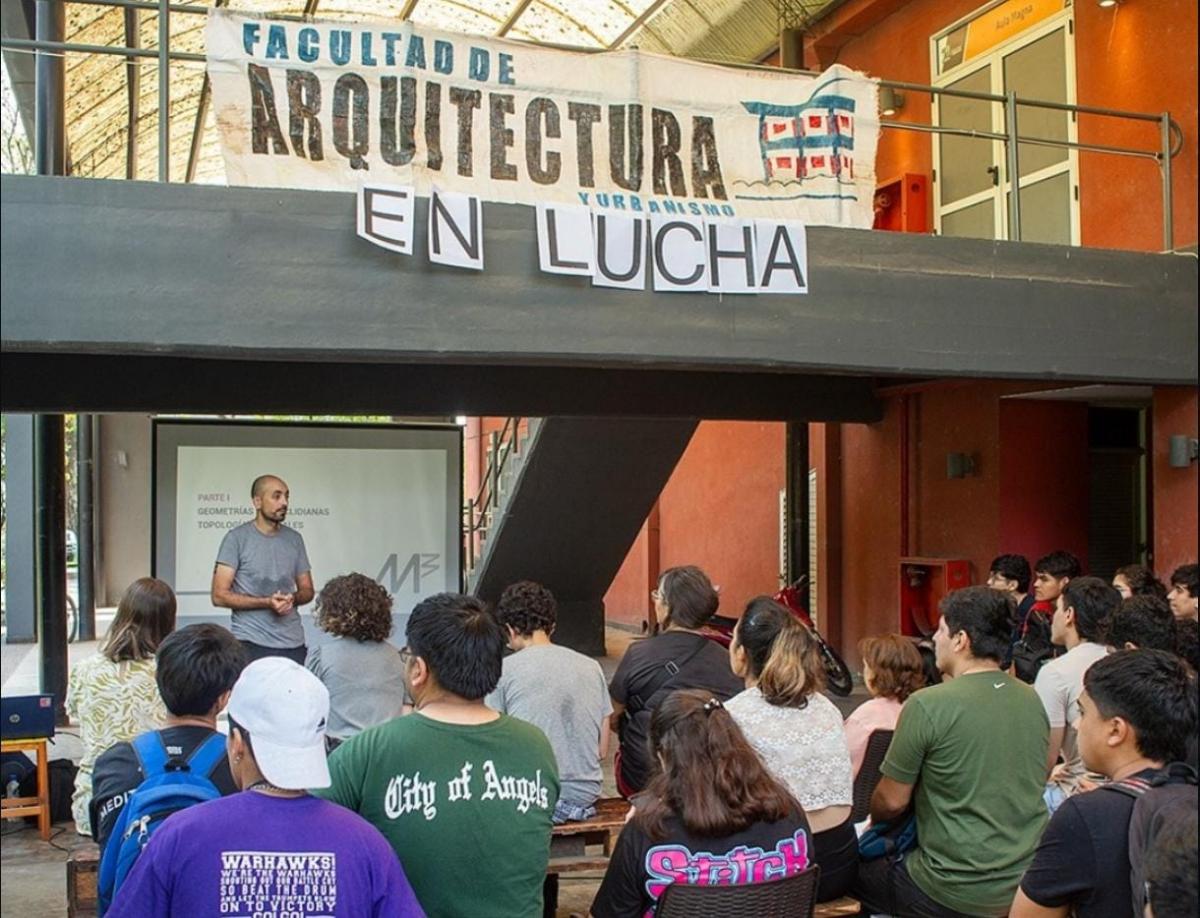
x=406, y=654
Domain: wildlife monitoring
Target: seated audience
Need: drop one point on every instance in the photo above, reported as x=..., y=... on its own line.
x=112, y=695
x=929, y=668
x=797, y=731
x=1138, y=580
x=1078, y=625
x=1185, y=588
x=892, y=670
x=1142, y=622
x=712, y=815
x=1137, y=709
x=272, y=849
x=559, y=691
x=465, y=795
x=1010, y=574
x=1033, y=646
x=196, y=669
x=363, y=672
x=1171, y=870
x=679, y=657
x=1187, y=640
x=971, y=755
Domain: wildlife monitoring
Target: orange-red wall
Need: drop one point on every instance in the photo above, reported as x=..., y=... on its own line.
x=1174, y=490
x=720, y=511
x=1137, y=56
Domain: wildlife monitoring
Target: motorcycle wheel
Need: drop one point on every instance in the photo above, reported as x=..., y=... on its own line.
x=837, y=674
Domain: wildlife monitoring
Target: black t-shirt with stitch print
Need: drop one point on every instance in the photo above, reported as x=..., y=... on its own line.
x=1083, y=858
x=639, y=670
x=641, y=868
x=117, y=773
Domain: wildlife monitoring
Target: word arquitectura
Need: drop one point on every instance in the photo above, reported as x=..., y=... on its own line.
x=404, y=120
x=683, y=252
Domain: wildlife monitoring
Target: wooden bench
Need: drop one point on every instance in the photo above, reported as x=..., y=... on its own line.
x=569, y=842
x=83, y=875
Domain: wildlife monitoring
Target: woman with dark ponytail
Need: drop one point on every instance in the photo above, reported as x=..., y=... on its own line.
x=711, y=815
x=798, y=731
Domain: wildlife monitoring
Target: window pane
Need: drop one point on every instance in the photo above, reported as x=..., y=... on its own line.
x=1039, y=71
x=964, y=160
x=977, y=221
x=1046, y=210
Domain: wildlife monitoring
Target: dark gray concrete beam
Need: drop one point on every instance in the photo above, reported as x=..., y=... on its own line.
x=139, y=268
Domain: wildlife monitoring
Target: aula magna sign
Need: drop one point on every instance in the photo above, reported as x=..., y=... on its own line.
x=331, y=106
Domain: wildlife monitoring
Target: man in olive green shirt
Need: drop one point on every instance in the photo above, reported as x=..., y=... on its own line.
x=969, y=756
x=464, y=794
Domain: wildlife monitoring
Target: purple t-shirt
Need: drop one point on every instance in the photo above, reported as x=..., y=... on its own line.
x=251, y=854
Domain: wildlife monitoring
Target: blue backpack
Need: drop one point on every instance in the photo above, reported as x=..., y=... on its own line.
x=170, y=784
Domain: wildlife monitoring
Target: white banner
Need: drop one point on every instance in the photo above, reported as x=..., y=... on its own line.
x=332, y=105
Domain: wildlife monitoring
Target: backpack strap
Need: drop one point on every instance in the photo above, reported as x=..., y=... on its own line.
x=669, y=671
x=207, y=756
x=1130, y=787
x=151, y=753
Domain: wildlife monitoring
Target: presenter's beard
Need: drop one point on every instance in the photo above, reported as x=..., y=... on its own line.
x=278, y=517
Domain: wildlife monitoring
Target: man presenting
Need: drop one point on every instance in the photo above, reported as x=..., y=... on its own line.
x=263, y=576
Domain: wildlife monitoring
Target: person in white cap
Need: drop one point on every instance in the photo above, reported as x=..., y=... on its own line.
x=272, y=849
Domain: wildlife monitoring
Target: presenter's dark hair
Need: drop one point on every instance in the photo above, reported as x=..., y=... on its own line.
x=1013, y=567
x=461, y=642
x=984, y=615
x=1141, y=580
x=260, y=484
x=1058, y=564
x=527, y=607
x=1145, y=621
x=1154, y=692
x=689, y=595
x=355, y=606
x=196, y=666
x=1094, y=601
x=145, y=615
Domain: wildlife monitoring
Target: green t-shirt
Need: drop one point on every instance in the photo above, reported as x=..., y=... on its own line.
x=467, y=808
x=975, y=747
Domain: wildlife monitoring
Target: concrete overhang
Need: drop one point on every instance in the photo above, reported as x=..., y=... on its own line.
x=118, y=269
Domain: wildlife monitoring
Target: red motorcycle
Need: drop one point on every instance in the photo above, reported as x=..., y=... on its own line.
x=837, y=674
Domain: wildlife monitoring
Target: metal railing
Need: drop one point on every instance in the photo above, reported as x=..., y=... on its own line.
x=479, y=511
x=1169, y=132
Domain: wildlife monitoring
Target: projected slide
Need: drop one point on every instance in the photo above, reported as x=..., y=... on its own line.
x=382, y=501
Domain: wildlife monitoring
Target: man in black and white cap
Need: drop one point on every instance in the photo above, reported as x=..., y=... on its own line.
x=274, y=843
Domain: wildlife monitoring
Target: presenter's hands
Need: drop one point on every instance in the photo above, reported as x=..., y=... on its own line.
x=282, y=603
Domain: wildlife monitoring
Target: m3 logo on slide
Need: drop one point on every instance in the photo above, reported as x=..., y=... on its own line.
x=392, y=577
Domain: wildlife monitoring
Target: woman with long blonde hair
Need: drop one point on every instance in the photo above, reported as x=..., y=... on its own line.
x=112, y=695
x=797, y=731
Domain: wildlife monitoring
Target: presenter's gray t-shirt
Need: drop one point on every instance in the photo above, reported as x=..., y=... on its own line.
x=263, y=565
x=563, y=693
x=365, y=681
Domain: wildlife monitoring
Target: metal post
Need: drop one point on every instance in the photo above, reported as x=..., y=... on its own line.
x=50, y=522
x=1014, y=167
x=164, y=91
x=493, y=469
x=133, y=93
x=1168, y=190
x=84, y=478
x=50, y=137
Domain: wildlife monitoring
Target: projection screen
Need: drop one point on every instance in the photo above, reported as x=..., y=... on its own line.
x=382, y=500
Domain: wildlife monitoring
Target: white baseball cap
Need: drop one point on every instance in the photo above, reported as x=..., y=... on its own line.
x=284, y=708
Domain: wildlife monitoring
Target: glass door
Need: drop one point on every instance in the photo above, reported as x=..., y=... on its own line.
x=971, y=180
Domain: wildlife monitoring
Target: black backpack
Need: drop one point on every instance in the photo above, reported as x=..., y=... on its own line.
x=1173, y=789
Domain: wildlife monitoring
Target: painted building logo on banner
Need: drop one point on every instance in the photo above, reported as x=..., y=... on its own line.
x=802, y=142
